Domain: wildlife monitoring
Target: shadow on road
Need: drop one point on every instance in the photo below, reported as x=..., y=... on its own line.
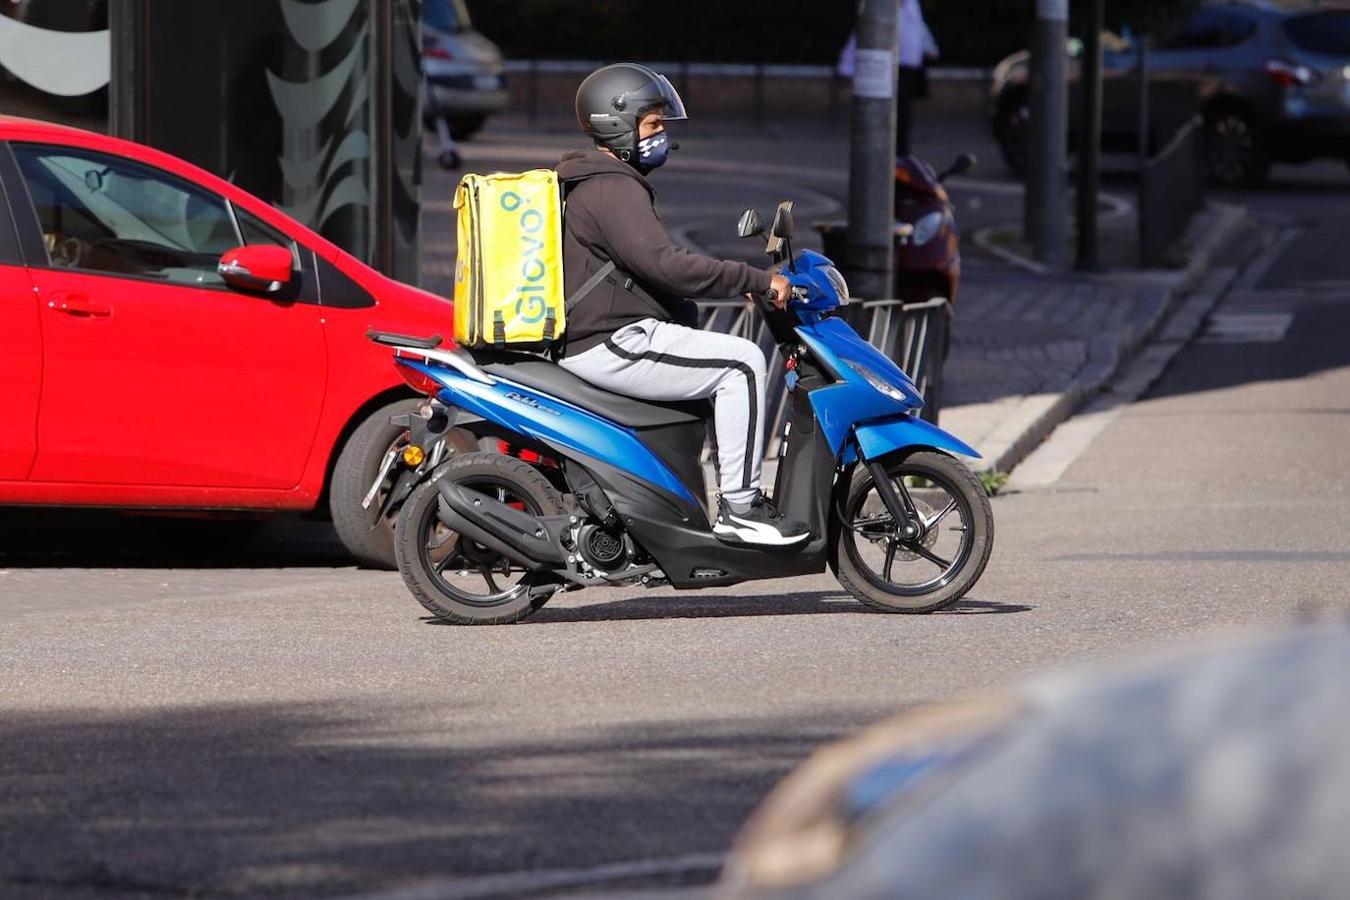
x=717, y=606
x=315, y=800
x=63, y=538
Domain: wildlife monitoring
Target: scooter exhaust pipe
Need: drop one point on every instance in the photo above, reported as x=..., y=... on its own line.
x=522, y=538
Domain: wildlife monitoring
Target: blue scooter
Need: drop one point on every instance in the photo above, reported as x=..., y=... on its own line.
x=615, y=494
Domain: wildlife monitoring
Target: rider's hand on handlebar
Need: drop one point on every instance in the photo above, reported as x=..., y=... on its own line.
x=780, y=290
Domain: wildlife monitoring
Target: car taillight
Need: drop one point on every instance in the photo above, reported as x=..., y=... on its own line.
x=1287, y=74
x=420, y=381
x=438, y=53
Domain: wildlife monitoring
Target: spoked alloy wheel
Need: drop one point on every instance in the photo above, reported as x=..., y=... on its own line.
x=1234, y=150
x=888, y=572
x=460, y=580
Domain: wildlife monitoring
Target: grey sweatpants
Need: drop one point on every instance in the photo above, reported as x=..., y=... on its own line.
x=663, y=361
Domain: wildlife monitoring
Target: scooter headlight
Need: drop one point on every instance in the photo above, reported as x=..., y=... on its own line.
x=876, y=381
x=839, y=284
x=927, y=228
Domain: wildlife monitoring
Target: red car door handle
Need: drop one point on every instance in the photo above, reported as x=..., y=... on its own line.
x=74, y=304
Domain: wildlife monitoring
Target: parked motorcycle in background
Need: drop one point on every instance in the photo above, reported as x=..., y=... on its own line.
x=927, y=270
x=928, y=264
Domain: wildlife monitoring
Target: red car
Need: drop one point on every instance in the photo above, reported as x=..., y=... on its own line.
x=168, y=341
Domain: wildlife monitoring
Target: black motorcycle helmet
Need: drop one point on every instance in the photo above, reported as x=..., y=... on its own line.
x=612, y=101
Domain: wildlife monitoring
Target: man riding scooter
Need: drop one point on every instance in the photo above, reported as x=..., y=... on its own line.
x=634, y=331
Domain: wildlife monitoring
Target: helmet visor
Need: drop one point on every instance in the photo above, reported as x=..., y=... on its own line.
x=670, y=104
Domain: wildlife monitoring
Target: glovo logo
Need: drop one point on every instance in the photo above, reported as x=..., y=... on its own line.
x=530, y=303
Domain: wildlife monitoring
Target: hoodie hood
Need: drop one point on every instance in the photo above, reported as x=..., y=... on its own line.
x=585, y=163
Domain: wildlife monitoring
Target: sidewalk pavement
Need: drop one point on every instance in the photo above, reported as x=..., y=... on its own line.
x=1029, y=349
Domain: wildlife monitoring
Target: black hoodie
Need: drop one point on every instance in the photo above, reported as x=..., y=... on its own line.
x=611, y=216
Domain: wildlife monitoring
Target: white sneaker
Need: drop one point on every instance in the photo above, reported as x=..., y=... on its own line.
x=757, y=522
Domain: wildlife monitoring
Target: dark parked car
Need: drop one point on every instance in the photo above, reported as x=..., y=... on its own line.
x=1272, y=83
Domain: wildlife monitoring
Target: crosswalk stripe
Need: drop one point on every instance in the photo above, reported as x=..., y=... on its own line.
x=1235, y=327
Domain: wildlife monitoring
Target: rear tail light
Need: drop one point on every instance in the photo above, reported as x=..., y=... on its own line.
x=528, y=456
x=438, y=53
x=420, y=382
x=1287, y=74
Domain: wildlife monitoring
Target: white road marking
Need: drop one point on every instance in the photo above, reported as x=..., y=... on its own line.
x=1246, y=327
x=1257, y=270
x=1047, y=463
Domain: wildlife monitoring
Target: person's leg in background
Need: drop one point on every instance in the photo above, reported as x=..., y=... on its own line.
x=449, y=158
x=904, y=109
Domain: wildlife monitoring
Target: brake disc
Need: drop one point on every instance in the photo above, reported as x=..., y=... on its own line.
x=874, y=509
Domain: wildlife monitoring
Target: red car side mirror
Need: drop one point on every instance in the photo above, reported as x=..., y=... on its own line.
x=262, y=268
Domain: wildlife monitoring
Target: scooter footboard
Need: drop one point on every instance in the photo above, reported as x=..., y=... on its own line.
x=876, y=439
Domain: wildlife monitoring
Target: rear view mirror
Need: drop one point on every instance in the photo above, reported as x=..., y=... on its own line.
x=750, y=224
x=782, y=221
x=261, y=268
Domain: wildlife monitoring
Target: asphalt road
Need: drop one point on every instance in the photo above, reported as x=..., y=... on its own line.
x=291, y=726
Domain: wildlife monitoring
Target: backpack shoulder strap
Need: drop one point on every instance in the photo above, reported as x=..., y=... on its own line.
x=603, y=272
x=580, y=294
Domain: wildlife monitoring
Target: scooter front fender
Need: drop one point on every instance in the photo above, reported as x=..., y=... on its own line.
x=876, y=439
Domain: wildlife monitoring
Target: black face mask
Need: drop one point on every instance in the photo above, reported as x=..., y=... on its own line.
x=652, y=152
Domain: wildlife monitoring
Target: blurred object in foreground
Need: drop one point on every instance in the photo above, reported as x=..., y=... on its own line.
x=1223, y=775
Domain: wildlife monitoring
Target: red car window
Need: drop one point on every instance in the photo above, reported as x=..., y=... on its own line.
x=9, y=242
x=256, y=231
x=101, y=213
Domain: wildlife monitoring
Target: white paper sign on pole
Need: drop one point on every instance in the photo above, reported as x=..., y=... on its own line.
x=874, y=74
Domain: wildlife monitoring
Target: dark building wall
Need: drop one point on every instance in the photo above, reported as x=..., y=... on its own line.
x=280, y=97
x=305, y=103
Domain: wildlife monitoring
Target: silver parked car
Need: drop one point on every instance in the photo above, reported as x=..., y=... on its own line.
x=1271, y=81
x=464, y=71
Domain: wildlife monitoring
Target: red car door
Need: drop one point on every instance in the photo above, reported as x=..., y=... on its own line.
x=155, y=372
x=20, y=358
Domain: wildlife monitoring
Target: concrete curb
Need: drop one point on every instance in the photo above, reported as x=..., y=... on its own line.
x=984, y=237
x=1034, y=417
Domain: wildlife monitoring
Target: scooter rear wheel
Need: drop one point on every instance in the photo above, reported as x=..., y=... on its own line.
x=459, y=580
x=892, y=575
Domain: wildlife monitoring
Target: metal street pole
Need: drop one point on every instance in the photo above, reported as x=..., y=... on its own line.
x=382, y=136
x=1090, y=137
x=1145, y=118
x=128, y=22
x=871, y=170
x=1046, y=188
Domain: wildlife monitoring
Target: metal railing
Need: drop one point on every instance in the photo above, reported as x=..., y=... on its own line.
x=1171, y=190
x=908, y=333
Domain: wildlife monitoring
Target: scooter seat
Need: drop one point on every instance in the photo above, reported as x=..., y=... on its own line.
x=550, y=378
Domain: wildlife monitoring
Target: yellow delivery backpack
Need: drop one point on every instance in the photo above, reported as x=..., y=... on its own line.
x=509, y=269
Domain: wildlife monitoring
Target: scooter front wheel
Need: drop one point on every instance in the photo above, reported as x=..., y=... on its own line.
x=891, y=574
